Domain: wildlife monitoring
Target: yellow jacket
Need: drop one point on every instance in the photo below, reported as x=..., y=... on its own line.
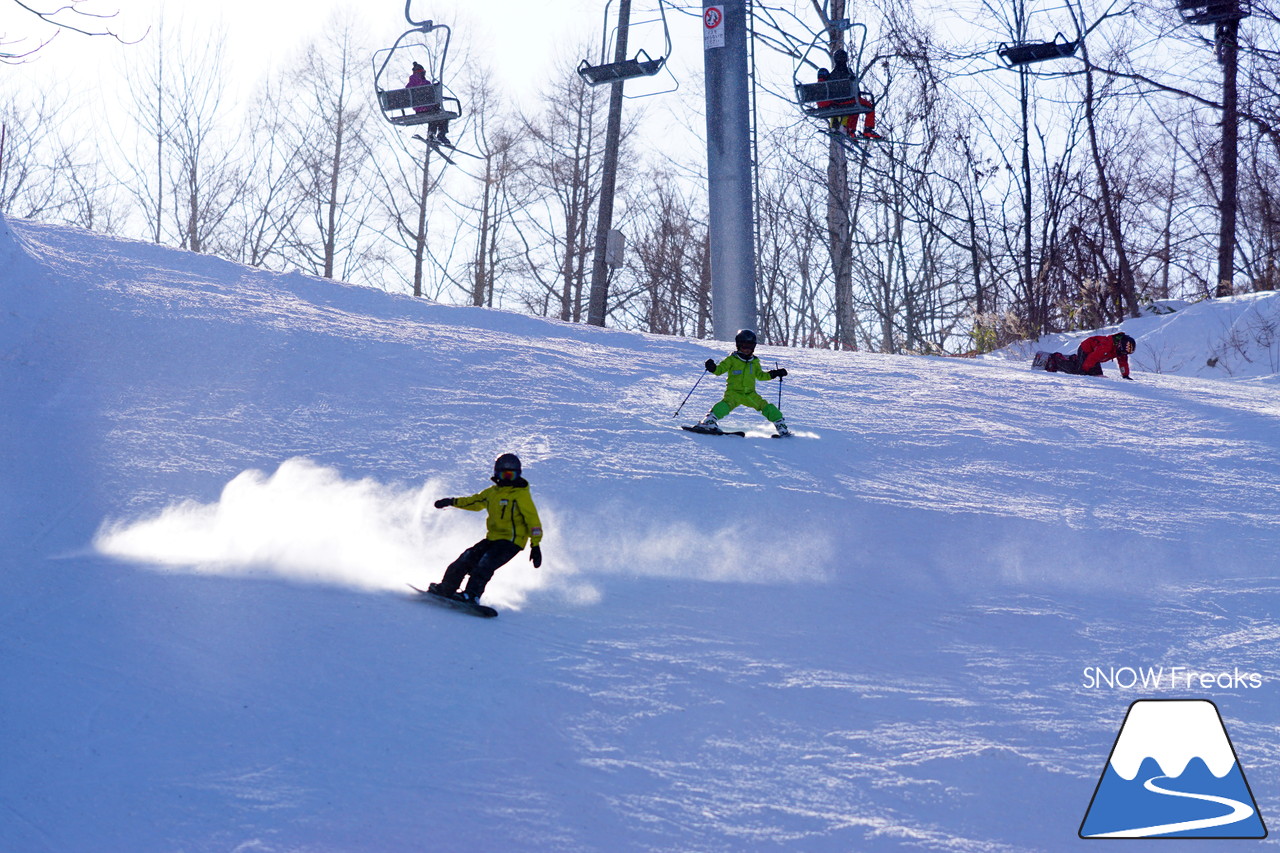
x=512, y=515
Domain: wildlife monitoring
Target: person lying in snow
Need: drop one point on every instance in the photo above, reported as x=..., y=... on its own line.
x=1092, y=353
x=740, y=388
x=513, y=521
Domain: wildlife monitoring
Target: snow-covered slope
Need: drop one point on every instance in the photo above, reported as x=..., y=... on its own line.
x=884, y=634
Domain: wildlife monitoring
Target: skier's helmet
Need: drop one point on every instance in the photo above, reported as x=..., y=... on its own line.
x=1124, y=343
x=745, y=340
x=506, y=468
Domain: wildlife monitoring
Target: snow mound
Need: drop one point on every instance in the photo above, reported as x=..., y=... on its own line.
x=1236, y=337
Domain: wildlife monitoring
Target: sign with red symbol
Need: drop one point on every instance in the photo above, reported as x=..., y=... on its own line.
x=712, y=27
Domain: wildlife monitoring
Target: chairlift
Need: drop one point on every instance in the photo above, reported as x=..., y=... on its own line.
x=641, y=65
x=1201, y=12
x=410, y=104
x=1025, y=53
x=838, y=97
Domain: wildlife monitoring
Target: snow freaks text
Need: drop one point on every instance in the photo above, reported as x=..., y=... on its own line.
x=1168, y=678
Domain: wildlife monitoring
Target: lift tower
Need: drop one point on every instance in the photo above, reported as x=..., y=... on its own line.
x=732, y=231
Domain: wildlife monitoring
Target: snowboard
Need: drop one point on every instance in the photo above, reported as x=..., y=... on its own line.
x=705, y=431
x=1041, y=361
x=465, y=606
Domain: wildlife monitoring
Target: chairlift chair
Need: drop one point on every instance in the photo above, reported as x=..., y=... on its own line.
x=1025, y=53
x=407, y=106
x=1202, y=12
x=838, y=98
x=833, y=98
x=641, y=65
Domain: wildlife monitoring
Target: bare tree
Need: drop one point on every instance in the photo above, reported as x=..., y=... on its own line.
x=492, y=213
x=77, y=16
x=564, y=173
x=48, y=174
x=186, y=183
x=406, y=186
x=662, y=289
x=27, y=140
x=330, y=118
x=269, y=198
x=151, y=110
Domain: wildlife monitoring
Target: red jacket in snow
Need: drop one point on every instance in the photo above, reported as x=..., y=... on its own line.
x=1100, y=348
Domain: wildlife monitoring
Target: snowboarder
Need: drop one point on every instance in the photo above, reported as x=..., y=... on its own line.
x=740, y=388
x=513, y=521
x=1093, y=351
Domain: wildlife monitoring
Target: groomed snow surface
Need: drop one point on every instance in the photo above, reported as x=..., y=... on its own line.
x=881, y=635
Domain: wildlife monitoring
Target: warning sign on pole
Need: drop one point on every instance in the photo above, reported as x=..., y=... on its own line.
x=712, y=27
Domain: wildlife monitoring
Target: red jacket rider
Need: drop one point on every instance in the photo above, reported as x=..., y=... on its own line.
x=1099, y=348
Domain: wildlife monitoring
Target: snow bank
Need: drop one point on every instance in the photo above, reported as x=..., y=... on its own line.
x=1236, y=337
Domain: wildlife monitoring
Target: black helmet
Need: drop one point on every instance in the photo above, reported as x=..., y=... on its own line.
x=506, y=462
x=1124, y=343
x=745, y=339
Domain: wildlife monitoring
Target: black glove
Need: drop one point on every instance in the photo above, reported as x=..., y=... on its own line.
x=444, y=502
x=710, y=365
x=778, y=374
x=535, y=556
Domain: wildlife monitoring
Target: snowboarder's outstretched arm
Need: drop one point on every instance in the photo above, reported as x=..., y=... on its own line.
x=475, y=502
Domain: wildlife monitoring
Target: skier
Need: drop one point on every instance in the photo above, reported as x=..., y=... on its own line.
x=1093, y=351
x=513, y=521
x=740, y=389
x=436, y=130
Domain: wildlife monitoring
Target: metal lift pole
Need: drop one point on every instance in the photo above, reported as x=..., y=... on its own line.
x=733, y=272
x=599, y=300
x=1227, y=40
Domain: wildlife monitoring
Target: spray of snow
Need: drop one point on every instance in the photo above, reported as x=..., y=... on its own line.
x=307, y=523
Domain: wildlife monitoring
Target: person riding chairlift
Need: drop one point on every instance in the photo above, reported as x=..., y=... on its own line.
x=437, y=130
x=840, y=71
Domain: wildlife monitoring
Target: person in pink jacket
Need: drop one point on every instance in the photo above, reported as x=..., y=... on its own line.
x=437, y=130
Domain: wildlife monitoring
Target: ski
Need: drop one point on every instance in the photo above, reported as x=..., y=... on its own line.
x=457, y=604
x=438, y=147
x=705, y=431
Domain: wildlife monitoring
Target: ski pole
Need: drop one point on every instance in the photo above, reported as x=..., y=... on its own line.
x=690, y=394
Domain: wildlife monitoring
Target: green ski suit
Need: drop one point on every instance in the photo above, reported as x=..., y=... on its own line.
x=740, y=388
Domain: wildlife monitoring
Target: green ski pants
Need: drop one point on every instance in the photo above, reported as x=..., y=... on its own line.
x=751, y=400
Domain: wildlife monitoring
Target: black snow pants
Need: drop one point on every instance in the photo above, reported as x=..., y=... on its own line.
x=478, y=563
x=1059, y=363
